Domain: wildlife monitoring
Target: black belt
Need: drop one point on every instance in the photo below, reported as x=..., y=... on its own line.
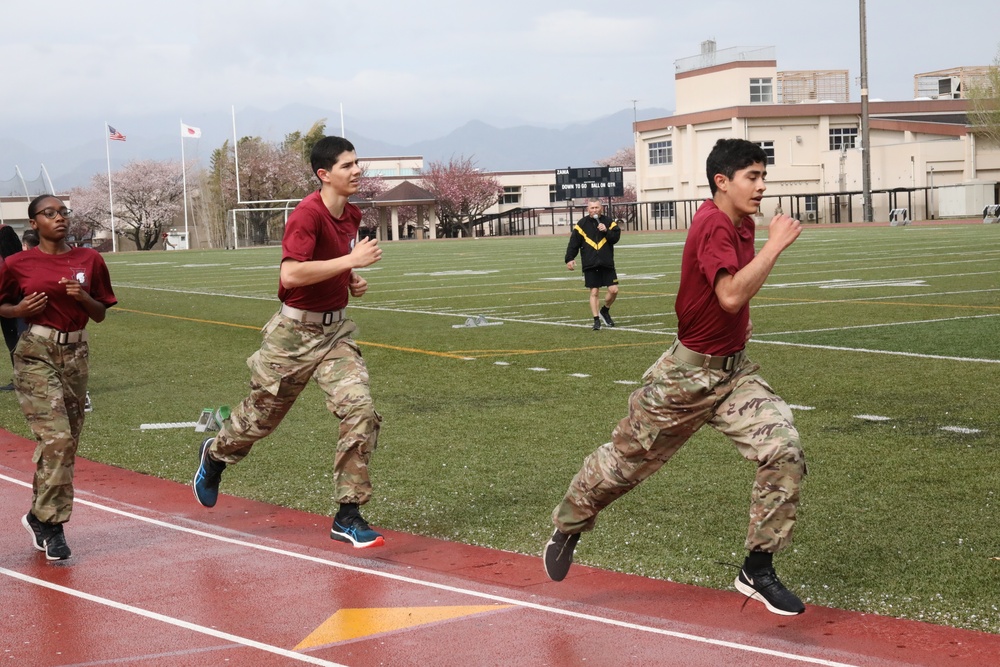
x=714, y=363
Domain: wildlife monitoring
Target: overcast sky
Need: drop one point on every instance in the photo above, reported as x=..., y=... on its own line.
x=443, y=62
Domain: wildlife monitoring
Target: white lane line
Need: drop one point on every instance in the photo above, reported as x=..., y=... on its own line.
x=538, y=369
x=201, y=629
x=874, y=326
x=873, y=418
x=801, y=407
x=501, y=363
x=443, y=587
x=626, y=382
x=891, y=353
x=961, y=429
x=579, y=375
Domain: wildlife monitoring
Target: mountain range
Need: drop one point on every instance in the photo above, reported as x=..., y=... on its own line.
x=73, y=152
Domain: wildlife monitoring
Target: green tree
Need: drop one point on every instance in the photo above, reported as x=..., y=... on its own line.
x=984, y=104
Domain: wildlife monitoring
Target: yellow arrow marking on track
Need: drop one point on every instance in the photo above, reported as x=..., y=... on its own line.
x=349, y=624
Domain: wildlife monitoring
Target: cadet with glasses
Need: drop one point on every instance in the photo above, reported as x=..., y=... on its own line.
x=310, y=337
x=56, y=289
x=706, y=378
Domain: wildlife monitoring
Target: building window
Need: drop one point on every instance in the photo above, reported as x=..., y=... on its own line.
x=760, y=91
x=511, y=194
x=663, y=209
x=811, y=203
x=661, y=152
x=843, y=137
x=552, y=194
x=768, y=147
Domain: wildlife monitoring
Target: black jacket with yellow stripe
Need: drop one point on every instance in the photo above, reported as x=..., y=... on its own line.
x=597, y=249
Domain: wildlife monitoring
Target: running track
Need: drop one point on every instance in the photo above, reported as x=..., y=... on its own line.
x=157, y=580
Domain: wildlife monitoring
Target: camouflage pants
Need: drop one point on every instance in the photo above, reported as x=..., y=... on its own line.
x=51, y=384
x=291, y=354
x=674, y=401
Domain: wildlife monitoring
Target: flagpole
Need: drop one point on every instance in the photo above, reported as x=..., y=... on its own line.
x=187, y=239
x=111, y=200
x=236, y=157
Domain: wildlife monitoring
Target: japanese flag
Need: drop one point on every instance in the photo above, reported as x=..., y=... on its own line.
x=190, y=132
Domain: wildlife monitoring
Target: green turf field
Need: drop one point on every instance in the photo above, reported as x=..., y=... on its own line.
x=485, y=426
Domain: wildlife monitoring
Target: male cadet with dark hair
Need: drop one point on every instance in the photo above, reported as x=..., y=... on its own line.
x=706, y=378
x=310, y=337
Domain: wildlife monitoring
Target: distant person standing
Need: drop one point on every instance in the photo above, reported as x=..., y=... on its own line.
x=9, y=245
x=594, y=238
x=57, y=289
x=311, y=337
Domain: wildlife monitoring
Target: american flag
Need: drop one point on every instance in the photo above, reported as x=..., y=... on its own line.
x=115, y=135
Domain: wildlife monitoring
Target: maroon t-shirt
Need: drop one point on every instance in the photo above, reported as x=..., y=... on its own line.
x=35, y=271
x=312, y=233
x=713, y=244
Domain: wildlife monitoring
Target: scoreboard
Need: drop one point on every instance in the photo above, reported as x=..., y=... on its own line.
x=589, y=183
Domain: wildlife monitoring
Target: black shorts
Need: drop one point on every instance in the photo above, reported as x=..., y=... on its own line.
x=602, y=276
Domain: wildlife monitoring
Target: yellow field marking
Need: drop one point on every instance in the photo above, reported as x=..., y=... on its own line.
x=187, y=319
x=349, y=624
x=257, y=328
x=504, y=353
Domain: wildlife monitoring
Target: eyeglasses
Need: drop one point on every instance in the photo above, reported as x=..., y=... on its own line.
x=51, y=213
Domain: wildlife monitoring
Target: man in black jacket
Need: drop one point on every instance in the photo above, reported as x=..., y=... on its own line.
x=594, y=237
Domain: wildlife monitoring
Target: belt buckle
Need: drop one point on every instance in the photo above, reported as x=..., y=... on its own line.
x=729, y=363
x=62, y=337
x=328, y=318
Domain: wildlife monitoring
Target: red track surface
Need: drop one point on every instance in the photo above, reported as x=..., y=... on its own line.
x=157, y=580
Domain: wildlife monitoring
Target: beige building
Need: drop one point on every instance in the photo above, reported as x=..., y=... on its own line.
x=922, y=156
x=528, y=196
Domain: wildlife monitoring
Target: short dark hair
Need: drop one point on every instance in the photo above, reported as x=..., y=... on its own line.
x=728, y=156
x=327, y=151
x=36, y=204
x=9, y=243
x=30, y=237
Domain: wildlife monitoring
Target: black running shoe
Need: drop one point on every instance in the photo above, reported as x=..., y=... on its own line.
x=47, y=537
x=597, y=324
x=764, y=586
x=55, y=544
x=37, y=529
x=206, y=479
x=558, y=554
x=606, y=316
x=355, y=531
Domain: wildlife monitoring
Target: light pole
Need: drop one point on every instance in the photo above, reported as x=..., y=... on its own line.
x=866, y=164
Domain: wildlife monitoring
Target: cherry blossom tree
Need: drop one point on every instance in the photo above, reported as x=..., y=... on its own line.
x=369, y=188
x=463, y=193
x=148, y=196
x=625, y=157
x=268, y=172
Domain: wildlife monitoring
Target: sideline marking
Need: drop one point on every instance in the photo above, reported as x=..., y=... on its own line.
x=961, y=429
x=257, y=328
x=429, y=584
x=236, y=639
x=873, y=418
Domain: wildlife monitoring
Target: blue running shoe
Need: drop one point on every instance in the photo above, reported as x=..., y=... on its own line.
x=355, y=531
x=206, y=480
